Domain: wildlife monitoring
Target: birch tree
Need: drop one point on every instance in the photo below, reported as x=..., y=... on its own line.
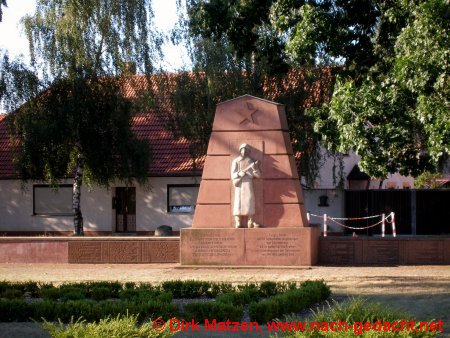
x=83, y=53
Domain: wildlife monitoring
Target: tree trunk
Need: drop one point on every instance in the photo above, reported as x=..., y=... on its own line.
x=76, y=202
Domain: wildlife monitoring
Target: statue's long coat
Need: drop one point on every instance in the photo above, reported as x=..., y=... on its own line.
x=244, y=197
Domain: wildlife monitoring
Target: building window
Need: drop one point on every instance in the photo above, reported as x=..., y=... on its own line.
x=55, y=201
x=181, y=198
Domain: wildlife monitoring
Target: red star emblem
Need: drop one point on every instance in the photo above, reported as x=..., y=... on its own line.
x=247, y=115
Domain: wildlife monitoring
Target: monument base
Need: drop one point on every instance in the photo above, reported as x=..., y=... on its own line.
x=250, y=247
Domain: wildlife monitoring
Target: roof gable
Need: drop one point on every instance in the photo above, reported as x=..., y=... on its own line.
x=171, y=156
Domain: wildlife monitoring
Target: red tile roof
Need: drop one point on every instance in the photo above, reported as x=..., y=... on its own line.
x=6, y=163
x=170, y=156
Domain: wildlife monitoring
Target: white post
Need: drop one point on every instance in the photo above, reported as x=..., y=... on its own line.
x=394, y=231
x=308, y=216
x=383, y=225
x=325, y=218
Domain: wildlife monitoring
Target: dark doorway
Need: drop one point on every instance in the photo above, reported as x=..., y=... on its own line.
x=125, y=205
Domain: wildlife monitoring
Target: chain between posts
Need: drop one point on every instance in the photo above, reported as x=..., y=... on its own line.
x=389, y=219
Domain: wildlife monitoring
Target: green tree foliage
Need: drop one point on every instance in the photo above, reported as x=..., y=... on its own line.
x=99, y=36
x=390, y=104
x=397, y=118
x=82, y=53
x=190, y=99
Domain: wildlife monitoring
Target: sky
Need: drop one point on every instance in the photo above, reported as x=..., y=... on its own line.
x=13, y=39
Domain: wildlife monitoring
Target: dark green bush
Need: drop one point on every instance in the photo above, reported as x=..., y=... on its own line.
x=144, y=295
x=50, y=293
x=175, y=287
x=72, y=293
x=149, y=287
x=268, y=289
x=12, y=294
x=291, y=301
x=195, y=289
x=242, y=287
x=45, y=309
x=113, y=289
x=15, y=310
x=212, y=310
x=155, y=309
x=239, y=298
x=129, y=285
x=265, y=310
x=29, y=289
x=187, y=289
x=101, y=293
x=5, y=285
x=218, y=288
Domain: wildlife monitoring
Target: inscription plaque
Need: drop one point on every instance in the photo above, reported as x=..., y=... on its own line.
x=264, y=246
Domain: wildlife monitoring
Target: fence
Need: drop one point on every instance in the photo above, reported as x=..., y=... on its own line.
x=417, y=212
x=339, y=221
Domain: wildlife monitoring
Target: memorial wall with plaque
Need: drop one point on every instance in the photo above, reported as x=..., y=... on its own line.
x=250, y=209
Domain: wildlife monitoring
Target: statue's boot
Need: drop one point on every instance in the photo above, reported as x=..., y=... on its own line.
x=237, y=221
x=252, y=224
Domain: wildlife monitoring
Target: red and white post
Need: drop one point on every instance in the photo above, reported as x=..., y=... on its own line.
x=325, y=219
x=394, y=231
x=383, y=225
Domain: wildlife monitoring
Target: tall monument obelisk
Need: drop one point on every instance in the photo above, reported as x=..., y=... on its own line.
x=250, y=205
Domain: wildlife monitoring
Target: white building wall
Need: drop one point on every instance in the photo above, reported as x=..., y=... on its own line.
x=16, y=211
x=16, y=208
x=335, y=206
x=151, y=206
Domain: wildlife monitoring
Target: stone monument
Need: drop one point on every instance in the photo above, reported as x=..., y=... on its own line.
x=250, y=208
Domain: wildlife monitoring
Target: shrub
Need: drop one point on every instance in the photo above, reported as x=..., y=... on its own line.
x=175, y=287
x=195, y=289
x=356, y=310
x=268, y=289
x=218, y=288
x=143, y=295
x=239, y=298
x=15, y=310
x=155, y=309
x=113, y=289
x=30, y=288
x=129, y=285
x=187, y=289
x=291, y=301
x=50, y=293
x=101, y=293
x=12, y=294
x=45, y=309
x=5, y=285
x=212, y=310
x=72, y=293
x=120, y=326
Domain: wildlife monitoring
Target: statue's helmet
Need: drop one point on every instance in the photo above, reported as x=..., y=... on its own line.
x=244, y=145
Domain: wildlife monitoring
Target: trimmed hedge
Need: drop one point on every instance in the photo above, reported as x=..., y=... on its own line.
x=292, y=301
x=240, y=298
x=97, y=300
x=20, y=310
x=212, y=310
